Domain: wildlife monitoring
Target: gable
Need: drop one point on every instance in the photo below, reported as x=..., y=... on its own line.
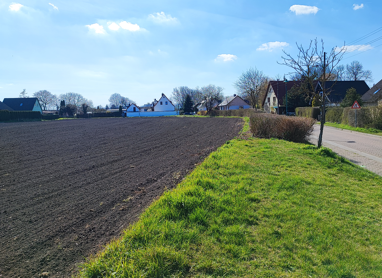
x=23, y=104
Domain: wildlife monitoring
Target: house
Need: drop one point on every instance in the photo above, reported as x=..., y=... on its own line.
x=233, y=103
x=23, y=104
x=5, y=107
x=146, y=107
x=164, y=105
x=202, y=105
x=274, y=99
x=373, y=97
x=336, y=90
x=132, y=108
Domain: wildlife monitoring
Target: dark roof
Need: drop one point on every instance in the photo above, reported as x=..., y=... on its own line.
x=338, y=92
x=5, y=107
x=374, y=94
x=279, y=89
x=21, y=104
x=227, y=100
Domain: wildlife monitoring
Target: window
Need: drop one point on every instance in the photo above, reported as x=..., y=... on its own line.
x=161, y=103
x=269, y=100
x=21, y=104
x=376, y=91
x=274, y=100
x=166, y=103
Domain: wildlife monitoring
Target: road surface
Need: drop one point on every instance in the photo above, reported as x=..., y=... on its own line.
x=362, y=149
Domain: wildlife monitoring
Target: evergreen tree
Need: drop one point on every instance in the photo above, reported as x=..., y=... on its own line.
x=351, y=96
x=187, y=108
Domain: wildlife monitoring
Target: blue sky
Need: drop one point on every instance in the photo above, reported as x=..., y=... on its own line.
x=141, y=49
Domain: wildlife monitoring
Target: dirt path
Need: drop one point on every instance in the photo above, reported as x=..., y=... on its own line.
x=69, y=187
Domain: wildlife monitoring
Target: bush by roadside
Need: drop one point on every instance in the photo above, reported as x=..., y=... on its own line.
x=293, y=129
x=308, y=112
x=230, y=113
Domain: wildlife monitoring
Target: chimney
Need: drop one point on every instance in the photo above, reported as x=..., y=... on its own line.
x=234, y=95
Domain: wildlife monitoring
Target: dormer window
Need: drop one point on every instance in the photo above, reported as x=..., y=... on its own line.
x=21, y=104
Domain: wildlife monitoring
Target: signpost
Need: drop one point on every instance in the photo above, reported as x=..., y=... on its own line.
x=356, y=106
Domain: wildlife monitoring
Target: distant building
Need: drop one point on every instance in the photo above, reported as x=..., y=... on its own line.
x=5, y=107
x=373, y=97
x=23, y=104
x=233, y=103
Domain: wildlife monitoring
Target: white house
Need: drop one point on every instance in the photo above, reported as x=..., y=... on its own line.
x=132, y=108
x=164, y=105
x=233, y=103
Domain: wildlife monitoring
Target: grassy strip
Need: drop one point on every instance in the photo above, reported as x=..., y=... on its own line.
x=257, y=208
x=359, y=129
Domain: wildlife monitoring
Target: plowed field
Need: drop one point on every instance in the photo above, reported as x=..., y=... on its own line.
x=69, y=187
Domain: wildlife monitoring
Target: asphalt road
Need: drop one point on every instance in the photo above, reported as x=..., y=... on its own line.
x=362, y=149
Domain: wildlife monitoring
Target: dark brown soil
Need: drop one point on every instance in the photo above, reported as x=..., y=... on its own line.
x=69, y=187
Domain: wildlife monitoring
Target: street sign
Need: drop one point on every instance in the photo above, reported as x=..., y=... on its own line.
x=356, y=105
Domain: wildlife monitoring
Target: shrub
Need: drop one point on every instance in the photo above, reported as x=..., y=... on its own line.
x=308, y=112
x=5, y=115
x=334, y=115
x=282, y=127
x=237, y=113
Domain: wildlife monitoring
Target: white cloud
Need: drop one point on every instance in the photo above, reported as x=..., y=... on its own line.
x=15, y=7
x=162, y=18
x=226, y=58
x=352, y=48
x=113, y=26
x=357, y=7
x=98, y=29
x=129, y=26
x=302, y=9
x=54, y=7
x=270, y=46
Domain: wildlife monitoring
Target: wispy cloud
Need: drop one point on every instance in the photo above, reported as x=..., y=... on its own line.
x=54, y=7
x=270, y=46
x=226, y=58
x=15, y=7
x=98, y=29
x=162, y=18
x=302, y=9
x=129, y=26
x=357, y=7
x=352, y=48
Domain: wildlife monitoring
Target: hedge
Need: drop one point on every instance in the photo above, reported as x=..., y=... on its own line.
x=334, y=115
x=308, y=112
x=368, y=117
x=237, y=113
x=6, y=115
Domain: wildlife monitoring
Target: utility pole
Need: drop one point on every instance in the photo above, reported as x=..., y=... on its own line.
x=322, y=105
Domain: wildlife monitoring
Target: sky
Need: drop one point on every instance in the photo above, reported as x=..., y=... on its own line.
x=141, y=49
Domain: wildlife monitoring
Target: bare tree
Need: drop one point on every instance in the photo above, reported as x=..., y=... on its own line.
x=45, y=98
x=179, y=95
x=306, y=64
x=117, y=100
x=211, y=95
x=355, y=72
x=23, y=94
x=250, y=85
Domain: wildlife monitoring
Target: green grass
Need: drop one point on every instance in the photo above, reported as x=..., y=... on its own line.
x=359, y=129
x=257, y=208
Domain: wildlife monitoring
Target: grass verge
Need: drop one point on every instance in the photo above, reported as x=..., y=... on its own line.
x=257, y=208
x=359, y=129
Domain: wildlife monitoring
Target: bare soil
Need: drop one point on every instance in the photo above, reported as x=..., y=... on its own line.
x=67, y=188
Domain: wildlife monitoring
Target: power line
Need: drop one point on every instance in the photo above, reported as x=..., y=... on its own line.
x=366, y=36
x=360, y=52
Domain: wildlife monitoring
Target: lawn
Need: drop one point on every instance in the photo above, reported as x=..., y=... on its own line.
x=257, y=208
x=359, y=129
